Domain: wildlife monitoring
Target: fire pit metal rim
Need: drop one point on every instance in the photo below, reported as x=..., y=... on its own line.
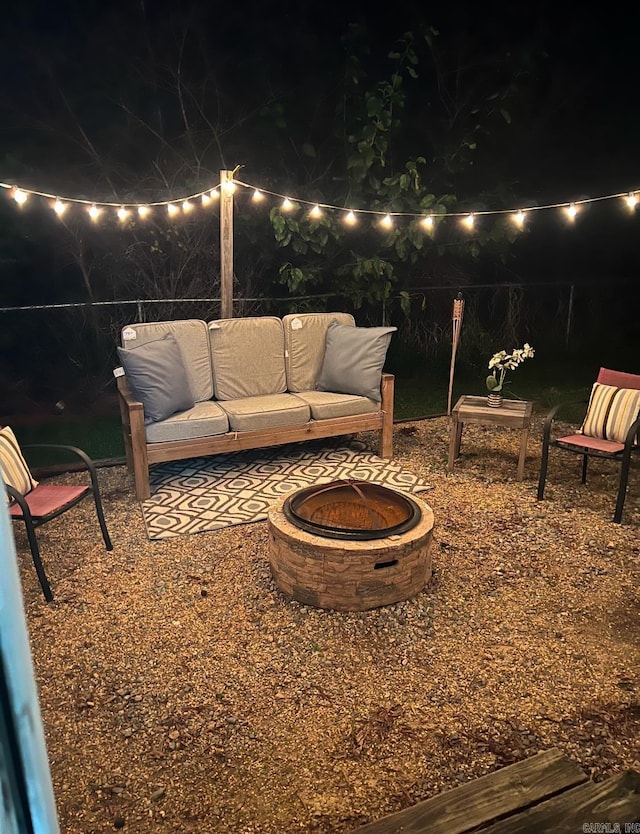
x=292, y=502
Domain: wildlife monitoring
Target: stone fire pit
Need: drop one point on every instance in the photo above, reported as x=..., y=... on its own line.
x=350, y=546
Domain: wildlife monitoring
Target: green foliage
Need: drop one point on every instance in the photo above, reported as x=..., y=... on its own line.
x=370, y=264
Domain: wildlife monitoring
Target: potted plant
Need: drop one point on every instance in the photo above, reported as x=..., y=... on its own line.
x=499, y=364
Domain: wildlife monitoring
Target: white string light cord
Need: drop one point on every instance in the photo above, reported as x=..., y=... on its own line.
x=184, y=205
x=123, y=211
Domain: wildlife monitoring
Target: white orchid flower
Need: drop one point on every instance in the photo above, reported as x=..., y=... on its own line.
x=502, y=362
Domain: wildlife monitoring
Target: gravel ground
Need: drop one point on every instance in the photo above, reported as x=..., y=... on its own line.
x=180, y=692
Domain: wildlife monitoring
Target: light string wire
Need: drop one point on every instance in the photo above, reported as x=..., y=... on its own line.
x=290, y=203
x=105, y=203
x=633, y=195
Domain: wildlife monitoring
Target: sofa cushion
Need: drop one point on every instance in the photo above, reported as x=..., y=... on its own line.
x=157, y=376
x=353, y=360
x=265, y=412
x=325, y=405
x=305, y=336
x=192, y=336
x=247, y=357
x=203, y=420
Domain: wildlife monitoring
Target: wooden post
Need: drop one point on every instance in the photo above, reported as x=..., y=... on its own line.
x=458, y=312
x=226, y=244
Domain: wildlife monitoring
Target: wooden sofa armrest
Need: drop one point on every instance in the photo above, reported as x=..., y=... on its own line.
x=126, y=395
x=135, y=438
x=387, y=391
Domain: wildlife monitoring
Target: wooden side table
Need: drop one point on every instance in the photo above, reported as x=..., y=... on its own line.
x=515, y=414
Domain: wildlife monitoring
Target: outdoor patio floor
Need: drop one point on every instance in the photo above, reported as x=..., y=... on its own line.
x=180, y=692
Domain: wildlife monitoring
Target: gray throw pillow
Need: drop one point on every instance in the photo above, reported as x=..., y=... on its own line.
x=353, y=360
x=157, y=377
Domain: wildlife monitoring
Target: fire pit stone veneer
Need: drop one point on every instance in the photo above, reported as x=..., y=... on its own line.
x=347, y=574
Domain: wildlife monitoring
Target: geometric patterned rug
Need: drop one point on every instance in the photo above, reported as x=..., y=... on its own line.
x=202, y=494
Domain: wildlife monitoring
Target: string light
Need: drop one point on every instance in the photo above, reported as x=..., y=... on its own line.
x=21, y=194
x=571, y=211
x=386, y=220
x=350, y=219
x=518, y=219
x=427, y=223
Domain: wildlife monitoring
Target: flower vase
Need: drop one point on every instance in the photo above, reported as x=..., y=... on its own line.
x=494, y=399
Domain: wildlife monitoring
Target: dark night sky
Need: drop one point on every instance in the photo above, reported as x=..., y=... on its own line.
x=589, y=60
x=578, y=138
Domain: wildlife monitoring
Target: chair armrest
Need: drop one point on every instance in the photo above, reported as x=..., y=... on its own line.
x=634, y=429
x=84, y=457
x=18, y=498
x=551, y=416
x=74, y=449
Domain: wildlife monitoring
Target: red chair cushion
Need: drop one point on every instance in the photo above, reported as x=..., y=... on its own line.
x=579, y=440
x=48, y=498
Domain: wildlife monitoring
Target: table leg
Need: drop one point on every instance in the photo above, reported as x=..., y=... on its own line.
x=455, y=437
x=524, y=437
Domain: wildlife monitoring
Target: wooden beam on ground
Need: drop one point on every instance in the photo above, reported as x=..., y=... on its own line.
x=484, y=800
x=607, y=806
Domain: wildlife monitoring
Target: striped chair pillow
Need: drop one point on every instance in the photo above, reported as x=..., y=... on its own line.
x=15, y=471
x=611, y=412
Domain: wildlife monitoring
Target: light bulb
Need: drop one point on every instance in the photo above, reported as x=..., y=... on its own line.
x=187, y=206
x=172, y=209
x=571, y=212
x=518, y=219
x=122, y=214
x=143, y=211
x=316, y=212
x=94, y=212
x=205, y=199
x=427, y=222
x=257, y=196
x=287, y=205
x=350, y=219
x=20, y=196
x=59, y=207
x=229, y=187
x=387, y=222
x=214, y=193
x=632, y=200
x=469, y=221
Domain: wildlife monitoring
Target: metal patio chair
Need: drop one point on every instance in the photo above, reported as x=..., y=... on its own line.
x=610, y=430
x=41, y=503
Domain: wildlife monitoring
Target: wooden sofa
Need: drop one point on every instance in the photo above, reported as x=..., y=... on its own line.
x=255, y=382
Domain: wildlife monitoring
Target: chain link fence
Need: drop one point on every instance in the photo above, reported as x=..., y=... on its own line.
x=65, y=353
